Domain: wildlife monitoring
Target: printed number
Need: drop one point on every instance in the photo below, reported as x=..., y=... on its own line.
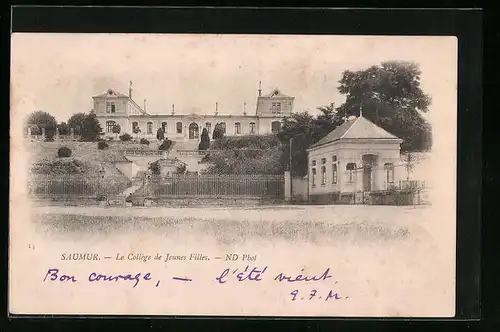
x=31, y=246
x=313, y=294
x=294, y=293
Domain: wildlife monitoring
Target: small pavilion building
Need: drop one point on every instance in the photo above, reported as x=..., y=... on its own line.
x=356, y=157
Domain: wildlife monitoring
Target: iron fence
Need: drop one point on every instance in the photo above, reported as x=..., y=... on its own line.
x=250, y=186
x=75, y=185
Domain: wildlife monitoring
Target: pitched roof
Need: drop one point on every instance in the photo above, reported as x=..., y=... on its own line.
x=111, y=93
x=276, y=94
x=358, y=128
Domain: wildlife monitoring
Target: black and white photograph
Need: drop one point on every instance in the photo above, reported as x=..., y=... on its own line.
x=276, y=175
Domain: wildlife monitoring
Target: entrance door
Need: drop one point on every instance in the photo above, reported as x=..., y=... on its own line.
x=367, y=178
x=193, y=131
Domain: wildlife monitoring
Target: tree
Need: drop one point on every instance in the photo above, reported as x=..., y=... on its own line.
x=218, y=132
x=391, y=97
x=409, y=162
x=205, y=140
x=90, y=130
x=160, y=134
x=63, y=128
x=44, y=120
x=116, y=129
x=76, y=121
x=301, y=130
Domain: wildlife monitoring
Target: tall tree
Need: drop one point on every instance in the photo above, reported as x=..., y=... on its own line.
x=160, y=134
x=205, y=140
x=390, y=96
x=44, y=120
x=300, y=131
x=91, y=128
x=76, y=121
x=116, y=129
x=218, y=132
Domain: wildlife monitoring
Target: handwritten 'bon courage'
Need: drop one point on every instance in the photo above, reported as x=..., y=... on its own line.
x=247, y=274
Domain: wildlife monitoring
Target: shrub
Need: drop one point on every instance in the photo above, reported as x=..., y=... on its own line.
x=64, y=152
x=166, y=145
x=49, y=139
x=144, y=141
x=60, y=167
x=101, y=145
x=125, y=137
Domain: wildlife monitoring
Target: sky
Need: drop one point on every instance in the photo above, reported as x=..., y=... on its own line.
x=59, y=73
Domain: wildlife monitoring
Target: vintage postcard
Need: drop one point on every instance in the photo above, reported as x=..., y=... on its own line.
x=233, y=175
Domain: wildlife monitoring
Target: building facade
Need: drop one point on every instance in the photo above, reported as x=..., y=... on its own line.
x=358, y=156
x=113, y=108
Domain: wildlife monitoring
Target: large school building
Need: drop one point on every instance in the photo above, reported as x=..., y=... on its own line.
x=113, y=108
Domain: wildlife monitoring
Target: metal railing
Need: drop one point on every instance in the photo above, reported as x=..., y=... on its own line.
x=271, y=186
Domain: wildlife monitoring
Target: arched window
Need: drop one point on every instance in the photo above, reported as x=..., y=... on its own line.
x=150, y=127
x=252, y=127
x=208, y=125
x=351, y=172
x=179, y=127
x=164, y=127
x=275, y=126
x=109, y=126
x=237, y=128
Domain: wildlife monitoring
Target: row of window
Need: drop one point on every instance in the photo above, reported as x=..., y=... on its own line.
x=350, y=172
x=276, y=125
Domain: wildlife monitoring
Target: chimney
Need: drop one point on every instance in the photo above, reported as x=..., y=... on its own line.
x=173, y=109
x=144, y=105
x=244, y=108
x=130, y=90
x=260, y=88
x=216, y=108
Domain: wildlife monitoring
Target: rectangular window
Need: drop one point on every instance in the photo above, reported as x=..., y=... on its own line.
x=323, y=161
x=179, y=127
x=237, y=128
x=252, y=128
x=313, y=171
x=276, y=108
x=110, y=107
x=389, y=170
x=208, y=125
x=351, y=172
x=313, y=163
x=334, y=159
x=150, y=127
x=323, y=175
x=334, y=173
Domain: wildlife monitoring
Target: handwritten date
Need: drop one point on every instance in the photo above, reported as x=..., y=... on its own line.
x=314, y=294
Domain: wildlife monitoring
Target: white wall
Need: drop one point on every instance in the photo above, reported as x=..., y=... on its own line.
x=351, y=152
